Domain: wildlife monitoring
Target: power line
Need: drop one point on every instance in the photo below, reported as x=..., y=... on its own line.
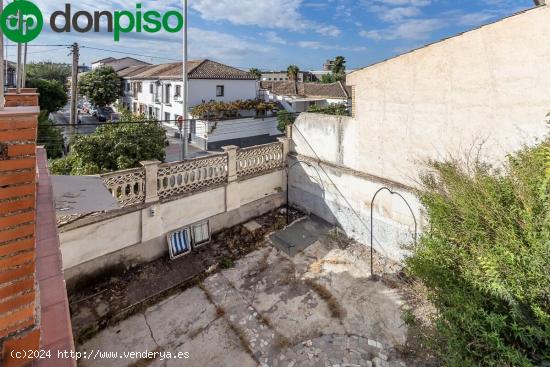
x=129, y=53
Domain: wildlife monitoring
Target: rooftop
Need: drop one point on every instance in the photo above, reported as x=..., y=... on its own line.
x=312, y=90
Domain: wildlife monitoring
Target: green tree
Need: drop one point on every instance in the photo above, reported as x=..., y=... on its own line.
x=50, y=136
x=292, y=72
x=484, y=259
x=339, y=66
x=255, y=73
x=52, y=94
x=49, y=70
x=101, y=86
x=114, y=147
x=284, y=119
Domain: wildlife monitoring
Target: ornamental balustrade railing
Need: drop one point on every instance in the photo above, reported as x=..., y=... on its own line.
x=162, y=181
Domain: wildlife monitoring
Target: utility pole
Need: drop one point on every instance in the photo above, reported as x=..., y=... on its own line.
x=185, y=125
x=74, y=84
x=24, y=73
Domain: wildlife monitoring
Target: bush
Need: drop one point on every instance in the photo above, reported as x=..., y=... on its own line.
x=113, y=148
x=485, y=260
x=333, y=109
x=50, y=136
x=284, y=119
x=52, y=94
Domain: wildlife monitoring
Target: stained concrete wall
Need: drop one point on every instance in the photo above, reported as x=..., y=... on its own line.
x=488, y=87
x=138, y=236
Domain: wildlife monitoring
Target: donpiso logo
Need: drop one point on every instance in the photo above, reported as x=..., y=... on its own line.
x=21, y=21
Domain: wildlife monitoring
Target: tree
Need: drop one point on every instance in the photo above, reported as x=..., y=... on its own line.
x=284, y=119
x=114, y=147
x=292, y=72
x=49, y=71
x=50, y=136
x=101, y=86
x=339, y=66
x=484, y=259
x=52, y=94
x=255, y=73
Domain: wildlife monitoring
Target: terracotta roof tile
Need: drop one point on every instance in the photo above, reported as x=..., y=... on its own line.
x=291, y=88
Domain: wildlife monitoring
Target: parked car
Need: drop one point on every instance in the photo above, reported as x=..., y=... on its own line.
x=93, y=111
x=104, y=113
x=85, y=107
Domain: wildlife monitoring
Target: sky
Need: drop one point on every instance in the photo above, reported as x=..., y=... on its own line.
x=272, y=34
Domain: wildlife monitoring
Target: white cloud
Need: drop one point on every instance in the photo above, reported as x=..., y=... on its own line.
x=412, y=29
x=273, y=37
x=281, y=14
x=315, y=45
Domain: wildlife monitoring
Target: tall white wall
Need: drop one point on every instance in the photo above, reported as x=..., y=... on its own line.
x=490, y=86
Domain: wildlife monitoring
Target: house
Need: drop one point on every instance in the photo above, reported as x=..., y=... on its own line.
x=298, y=97
x=157, y=91
x=269, y=76
x=118, y=64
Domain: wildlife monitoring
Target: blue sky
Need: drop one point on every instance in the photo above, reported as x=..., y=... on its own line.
x=271, y=34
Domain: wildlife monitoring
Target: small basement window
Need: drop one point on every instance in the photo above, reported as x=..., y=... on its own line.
x=201, y=234
x=179, y=243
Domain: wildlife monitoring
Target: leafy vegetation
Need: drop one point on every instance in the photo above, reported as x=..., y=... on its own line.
x=49, y=70
x=292, y=72
x=332, y=109
x=284, y=119
x=101, y=86
x=255, y=73
x=50, y=136
x=113, y=147
x=485, y=260
x=215, y=109
x=337, y=72
x=52, y=94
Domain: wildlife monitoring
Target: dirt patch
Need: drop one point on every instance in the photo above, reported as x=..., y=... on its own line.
x=107, y=302
x=336, y=309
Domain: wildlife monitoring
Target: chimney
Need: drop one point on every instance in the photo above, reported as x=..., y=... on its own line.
x=540, y=2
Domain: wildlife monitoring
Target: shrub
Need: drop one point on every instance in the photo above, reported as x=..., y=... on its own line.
x=333, y=109
x=485, y=260
x=284, y=119
x=114, y=147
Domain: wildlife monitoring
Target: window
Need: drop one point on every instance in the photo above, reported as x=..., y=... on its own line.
x=150, y=111
x=140, y=87
x=167, y=92
x=167, y=117
x=201, y=234
x=157, y=112
x=178, y=91
x=220, y=91
x=127, y=87
x=179, y=243
x=151, y=88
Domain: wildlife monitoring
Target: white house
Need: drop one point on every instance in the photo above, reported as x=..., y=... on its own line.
x=298, y=97
x=156, y=91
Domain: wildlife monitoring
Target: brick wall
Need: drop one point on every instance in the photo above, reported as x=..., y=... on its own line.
x=19, y=319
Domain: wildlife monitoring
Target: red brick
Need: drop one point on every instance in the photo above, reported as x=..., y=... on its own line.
x=17, y=327
x=20, y=272
x=30, y=341
x=16, y=317
x=14, y=261
x=15, y=135
x=21, y=149
x=17, y=219
x=17, y=177
x=17, y=302
x=14, y=247
x=16, y=233
x=15, y=191
x=17, y=287
x=16, y=205
x=17, y=123
x=15, y=164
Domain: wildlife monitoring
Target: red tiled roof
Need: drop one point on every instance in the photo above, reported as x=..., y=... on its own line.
x=202, y=69
x=292, y=88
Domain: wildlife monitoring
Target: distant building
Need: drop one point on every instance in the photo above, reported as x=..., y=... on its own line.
x=303, y=76
x=10, y=72
x=118, y=64
x=328, y=65
x=298, y=97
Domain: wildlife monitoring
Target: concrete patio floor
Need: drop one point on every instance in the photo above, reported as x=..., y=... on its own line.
x=265, y=312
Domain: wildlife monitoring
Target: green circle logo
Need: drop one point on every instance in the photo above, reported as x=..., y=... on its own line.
x=21, y=21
